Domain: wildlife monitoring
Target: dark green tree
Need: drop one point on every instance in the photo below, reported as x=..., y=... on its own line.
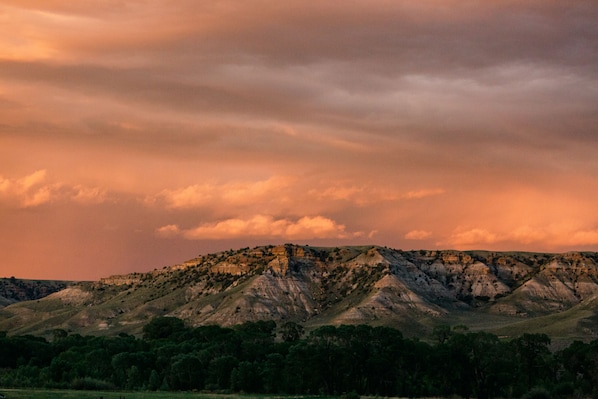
x=186, y=373
x=163, y=328
x=291, y=332
x=246, y=377
x=533, y=354
x=219, y=372
x=442, y=333
x=273, y=373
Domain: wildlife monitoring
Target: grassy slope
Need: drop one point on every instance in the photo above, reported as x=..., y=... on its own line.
x=577, y=323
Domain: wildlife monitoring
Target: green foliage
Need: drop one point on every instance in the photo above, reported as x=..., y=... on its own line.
x=350, y=395
x=291, y=331
x=537, y=393
x=345, y=360
x=163, y=328
x=442, y=333
x=533, y=353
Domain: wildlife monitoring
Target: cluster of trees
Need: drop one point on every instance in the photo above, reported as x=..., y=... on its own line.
x=261, y=358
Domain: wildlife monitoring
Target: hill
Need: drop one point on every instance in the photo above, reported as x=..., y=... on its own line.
x=503, y=292
x=14, y=290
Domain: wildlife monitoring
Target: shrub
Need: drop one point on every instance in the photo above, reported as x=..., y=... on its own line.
x=350, y=395
x=537, y=393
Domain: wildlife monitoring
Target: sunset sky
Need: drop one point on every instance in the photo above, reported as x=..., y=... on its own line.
x=138, y=134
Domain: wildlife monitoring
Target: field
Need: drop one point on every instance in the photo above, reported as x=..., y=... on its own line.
x=70, y=394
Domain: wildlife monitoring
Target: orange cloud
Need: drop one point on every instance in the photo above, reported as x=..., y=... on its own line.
x=346, y=193
x=570, y=233
x=32, y=190
x=368, y=194
x=315, y=227
x=307, y=227
x=252, y=191
x=551, y=237
x=528, y=234
x=584, y=237
x=188, y=197
x=237, y=193
x=168, y=231
x=88, y=195
x=28, y=191
x=423, y=193
x=418, y=235
x=475, y=236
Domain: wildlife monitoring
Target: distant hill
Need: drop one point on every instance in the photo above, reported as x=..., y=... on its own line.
x=14, y=290
x=502, y=292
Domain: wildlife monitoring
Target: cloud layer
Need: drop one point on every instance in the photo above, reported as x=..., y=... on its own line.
x=136, y=134
x=261, y=226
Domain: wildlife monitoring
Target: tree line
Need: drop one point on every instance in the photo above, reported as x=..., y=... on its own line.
x=261, y=357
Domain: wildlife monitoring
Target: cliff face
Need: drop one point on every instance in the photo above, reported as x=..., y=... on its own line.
x=413, y=290
x=557, y=284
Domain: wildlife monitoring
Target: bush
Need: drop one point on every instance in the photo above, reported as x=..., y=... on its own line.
x=350, y=395
x=564, y=390
x=537, y=393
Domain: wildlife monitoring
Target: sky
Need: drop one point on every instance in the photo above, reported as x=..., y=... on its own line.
x=139, y=134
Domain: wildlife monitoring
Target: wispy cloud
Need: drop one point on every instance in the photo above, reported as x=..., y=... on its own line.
x=554, y=235
x=34, y=190
x=88, y=195
x=418, y=194
x=236, y=193
x=468, y=237
x=418, y=235
x=584, y=237
x=28, y=191
x=261, y=226
x=368, y=194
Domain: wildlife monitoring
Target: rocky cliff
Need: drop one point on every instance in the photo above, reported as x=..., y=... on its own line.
x=412, y=290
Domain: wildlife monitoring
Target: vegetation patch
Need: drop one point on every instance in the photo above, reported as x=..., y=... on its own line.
x=266, y=359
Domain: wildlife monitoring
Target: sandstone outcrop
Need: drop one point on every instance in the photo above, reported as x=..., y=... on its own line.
x=314, y=285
